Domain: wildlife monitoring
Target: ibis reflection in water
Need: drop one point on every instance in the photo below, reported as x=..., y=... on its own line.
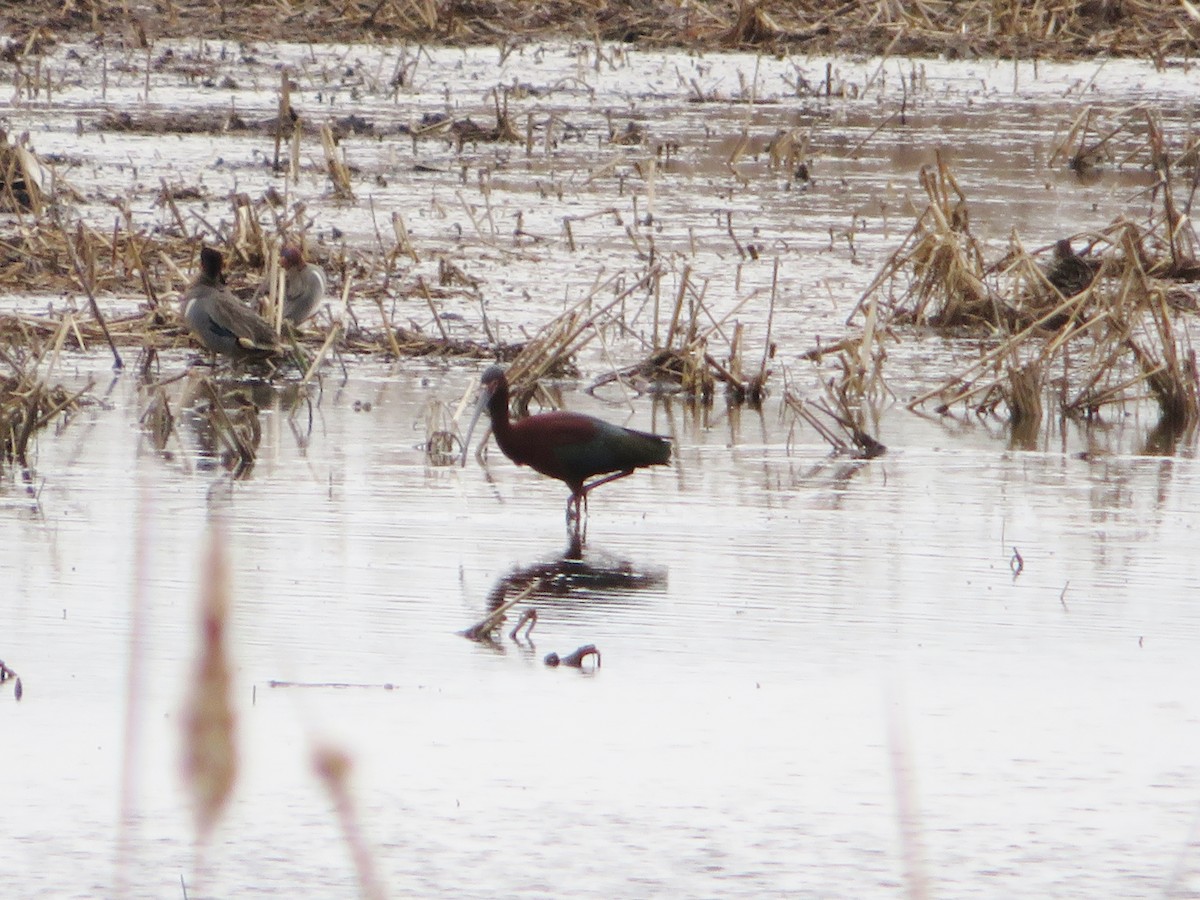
x=567, y=588
x=569, y=446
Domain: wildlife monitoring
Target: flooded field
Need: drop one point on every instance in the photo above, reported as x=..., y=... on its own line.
x=957, y=669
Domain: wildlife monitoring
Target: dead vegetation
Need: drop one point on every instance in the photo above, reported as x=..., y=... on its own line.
x=1076, y=330
x=28, y=402
x=43, y=255
x=1048, y=29
x=1111, y=290
x=22, y=178
x=46, y=255
x=681, y=358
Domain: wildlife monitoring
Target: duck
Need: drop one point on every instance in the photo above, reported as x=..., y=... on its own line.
x=219, y=321
x=1070, y=273
x=304, y=285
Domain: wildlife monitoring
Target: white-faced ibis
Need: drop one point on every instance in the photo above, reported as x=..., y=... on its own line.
x=218, y=320
x=568, y=446
x=303, y=285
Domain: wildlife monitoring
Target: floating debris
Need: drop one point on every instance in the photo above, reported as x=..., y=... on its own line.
x=7, y=674
x=574, y=659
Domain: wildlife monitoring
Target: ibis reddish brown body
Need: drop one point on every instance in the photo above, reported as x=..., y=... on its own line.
x=568, y=446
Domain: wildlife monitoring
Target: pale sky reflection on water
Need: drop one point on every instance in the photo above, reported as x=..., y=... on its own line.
x=799, y=653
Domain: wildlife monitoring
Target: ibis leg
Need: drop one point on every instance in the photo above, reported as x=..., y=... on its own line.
x=577, y=518
x=605, y=480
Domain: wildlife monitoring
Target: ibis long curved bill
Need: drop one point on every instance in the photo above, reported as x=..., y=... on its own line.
x=480, y=406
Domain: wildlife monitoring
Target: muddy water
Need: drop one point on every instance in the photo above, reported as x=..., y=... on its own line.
x=819, y=677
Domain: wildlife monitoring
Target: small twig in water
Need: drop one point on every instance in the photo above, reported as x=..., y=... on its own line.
x=483, y=628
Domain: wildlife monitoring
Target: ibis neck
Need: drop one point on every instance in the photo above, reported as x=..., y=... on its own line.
x=498, y=412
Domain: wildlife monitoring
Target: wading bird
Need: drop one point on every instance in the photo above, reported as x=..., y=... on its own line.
x=303, y=285
x=219, y=321
x=568, y=446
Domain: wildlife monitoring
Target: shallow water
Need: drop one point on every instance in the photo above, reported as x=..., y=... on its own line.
x=786, y=640
x=819, y=677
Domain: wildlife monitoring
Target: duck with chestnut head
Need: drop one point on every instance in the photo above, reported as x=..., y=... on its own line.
x=303, y=285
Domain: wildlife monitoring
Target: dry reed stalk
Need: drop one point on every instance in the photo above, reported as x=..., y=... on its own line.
x=960, y=388
x=339, y=173
x=135, y=250
x=946, y=283
x=437, y=319
x=275, y=279
x=843, y=435
x=1024, y=397
x=85, y=284
x=293, y=176
x=1174, y=219
x=404, y=243
x=333, y=769
x=1086, y=155
x=555, y=344
x=284, y=115
x=166, y=197
x=388, y=328
x=210, y=760
x=861, y=360
x=28, y=404
x=1171, y=377
x=335, y=333
x=249, y=242
x=758, y=385
x=482, y=630
x=21, y=178
x=442, y=445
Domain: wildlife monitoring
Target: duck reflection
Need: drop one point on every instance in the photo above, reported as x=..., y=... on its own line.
x=221, y=419
x=588, y=583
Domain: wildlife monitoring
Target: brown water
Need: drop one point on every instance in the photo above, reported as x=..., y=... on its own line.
x=805, y=659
